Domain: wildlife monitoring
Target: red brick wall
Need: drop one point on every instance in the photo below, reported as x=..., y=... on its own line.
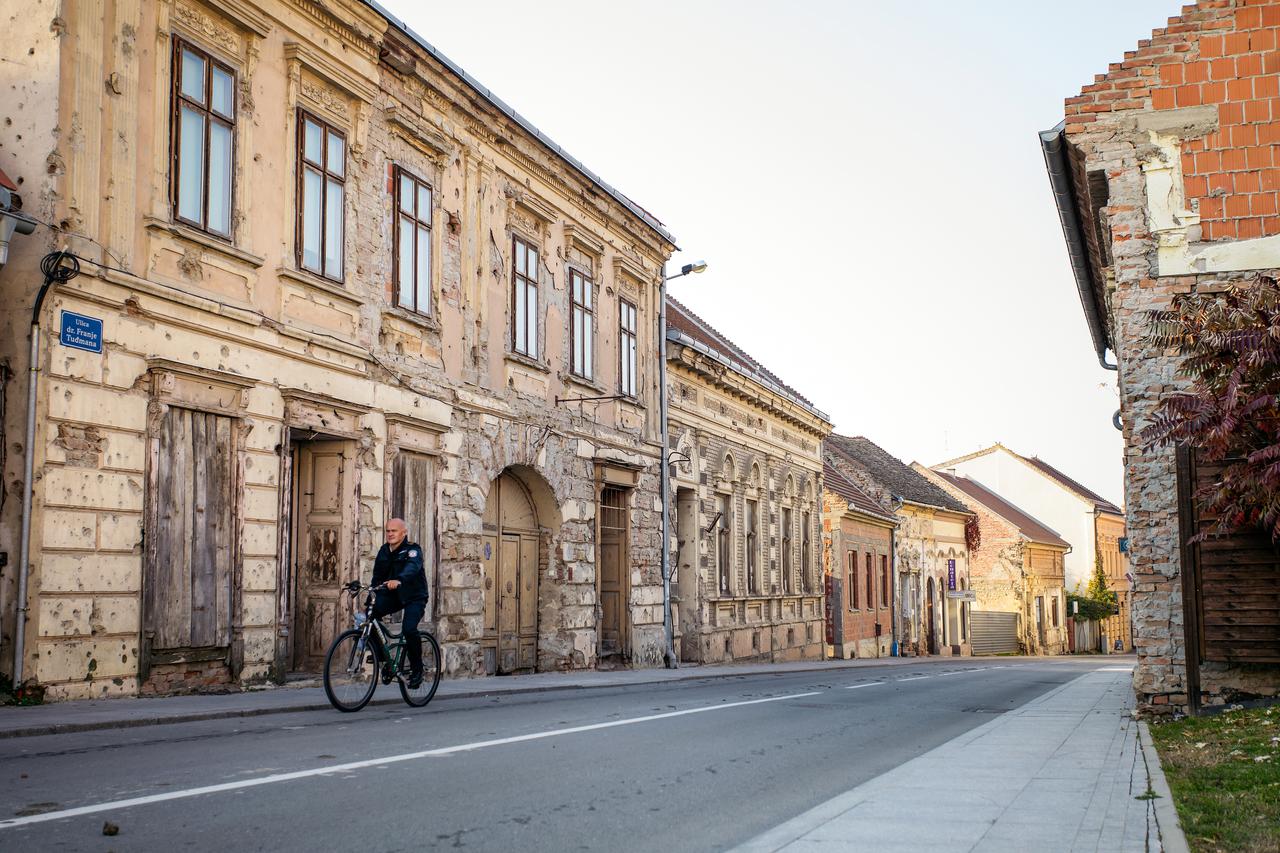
x=1220, y=53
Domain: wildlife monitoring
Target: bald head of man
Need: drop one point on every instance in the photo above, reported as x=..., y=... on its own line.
x=397, y=530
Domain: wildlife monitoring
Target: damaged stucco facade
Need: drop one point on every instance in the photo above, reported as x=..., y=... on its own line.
x=312, y=380
x=748, y=445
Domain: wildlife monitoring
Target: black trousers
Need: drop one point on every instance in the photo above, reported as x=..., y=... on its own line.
x=413, y=613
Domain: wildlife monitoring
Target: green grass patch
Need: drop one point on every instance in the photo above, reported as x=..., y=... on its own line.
x=1224, y=772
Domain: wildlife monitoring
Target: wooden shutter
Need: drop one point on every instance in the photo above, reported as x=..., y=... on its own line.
x=188, y=586
x=1231, y=583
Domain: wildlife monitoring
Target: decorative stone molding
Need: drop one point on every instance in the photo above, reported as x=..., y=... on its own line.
x=322, y=413
x=418, y=133
x=527, y=212
x=177, y=384
x=576, y=236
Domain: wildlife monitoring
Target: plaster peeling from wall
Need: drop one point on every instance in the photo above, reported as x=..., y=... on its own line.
x=1176, y=227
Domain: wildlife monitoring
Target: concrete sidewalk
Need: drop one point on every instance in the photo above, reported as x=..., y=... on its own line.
x=89, y=715
x=1068, y=771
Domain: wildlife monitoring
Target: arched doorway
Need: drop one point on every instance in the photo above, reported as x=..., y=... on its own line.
x=510, y=559
x=931, y=634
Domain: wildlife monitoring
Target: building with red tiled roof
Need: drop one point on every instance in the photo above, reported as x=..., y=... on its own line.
x=1092, y=525
x=857, y=539
x=1015, y=572
x=929, y=563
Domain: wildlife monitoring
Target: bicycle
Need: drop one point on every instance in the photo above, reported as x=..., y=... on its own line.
x=369, y=651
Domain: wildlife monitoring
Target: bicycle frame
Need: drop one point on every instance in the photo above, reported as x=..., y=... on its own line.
x=388, y=649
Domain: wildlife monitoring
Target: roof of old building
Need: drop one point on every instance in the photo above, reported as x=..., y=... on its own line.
x=857, y=499
x=1027, y=525
x=528, y=126
x=689, y=324
x=893, y=473
x=1099, y=502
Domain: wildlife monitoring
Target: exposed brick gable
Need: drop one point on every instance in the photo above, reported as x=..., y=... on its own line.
x=1221, y=53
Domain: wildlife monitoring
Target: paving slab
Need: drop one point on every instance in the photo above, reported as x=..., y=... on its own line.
x=1063, y=772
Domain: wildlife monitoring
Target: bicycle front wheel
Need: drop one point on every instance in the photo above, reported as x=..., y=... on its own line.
x=421, y=695
x=350, y=671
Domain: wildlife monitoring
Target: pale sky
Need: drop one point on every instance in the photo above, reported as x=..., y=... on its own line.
x=864, y=181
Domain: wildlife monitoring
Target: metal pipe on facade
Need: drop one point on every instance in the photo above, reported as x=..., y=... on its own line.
x=668, y=627
x=54, y=273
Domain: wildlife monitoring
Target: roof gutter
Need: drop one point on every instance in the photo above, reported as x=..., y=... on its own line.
x=1054, y=145
x=524, y=123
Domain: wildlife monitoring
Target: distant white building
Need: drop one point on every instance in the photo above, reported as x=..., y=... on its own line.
x=1092, y=524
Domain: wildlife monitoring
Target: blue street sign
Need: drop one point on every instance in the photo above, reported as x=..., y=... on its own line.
x=81, y=332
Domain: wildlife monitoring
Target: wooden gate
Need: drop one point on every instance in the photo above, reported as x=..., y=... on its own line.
x=1230, y=584
x=188, y=585
x=510, y=564
x=324, y=521
x=613, y=571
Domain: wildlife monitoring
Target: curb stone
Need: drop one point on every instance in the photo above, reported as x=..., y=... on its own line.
x=1172, y=838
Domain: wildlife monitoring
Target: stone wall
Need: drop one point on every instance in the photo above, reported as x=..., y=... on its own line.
x=1180, y=134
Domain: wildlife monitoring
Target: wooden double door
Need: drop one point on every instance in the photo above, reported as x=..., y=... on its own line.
x=510, y=561
x=189, y=583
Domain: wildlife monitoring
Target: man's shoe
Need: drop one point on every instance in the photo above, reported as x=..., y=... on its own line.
x=415, y=681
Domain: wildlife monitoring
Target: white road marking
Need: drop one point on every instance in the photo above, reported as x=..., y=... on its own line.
x=915, y=678
x=868, y=684
x=374, y=762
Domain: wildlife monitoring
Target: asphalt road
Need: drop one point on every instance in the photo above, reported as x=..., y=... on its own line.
x=689, y=765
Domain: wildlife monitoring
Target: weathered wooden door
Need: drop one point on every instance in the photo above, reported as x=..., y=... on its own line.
x=413, y=499
x=325, y=516
x=511, y=575
x=613, y=567
x=931, y=631
x=188, y=584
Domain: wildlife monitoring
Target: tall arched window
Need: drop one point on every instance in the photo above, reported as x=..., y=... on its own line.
x=788, y=581
x=806, y=548
x=724, y=524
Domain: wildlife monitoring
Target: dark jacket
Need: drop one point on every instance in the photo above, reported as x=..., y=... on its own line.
x=404, y=564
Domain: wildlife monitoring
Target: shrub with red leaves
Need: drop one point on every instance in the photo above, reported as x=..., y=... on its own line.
x=1230, y=342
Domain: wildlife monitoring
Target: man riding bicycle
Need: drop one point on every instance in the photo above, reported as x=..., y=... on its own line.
x=399, y=566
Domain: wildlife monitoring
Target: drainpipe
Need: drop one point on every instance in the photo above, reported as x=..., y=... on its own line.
x=54, y=273
x=893, y=594
x=668, y=627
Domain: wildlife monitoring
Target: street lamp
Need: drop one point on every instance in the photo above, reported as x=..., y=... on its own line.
x=668, y=626
x=696, y=266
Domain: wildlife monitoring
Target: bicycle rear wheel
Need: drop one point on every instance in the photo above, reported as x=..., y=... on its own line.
x=430, y=674
x=350, y=673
